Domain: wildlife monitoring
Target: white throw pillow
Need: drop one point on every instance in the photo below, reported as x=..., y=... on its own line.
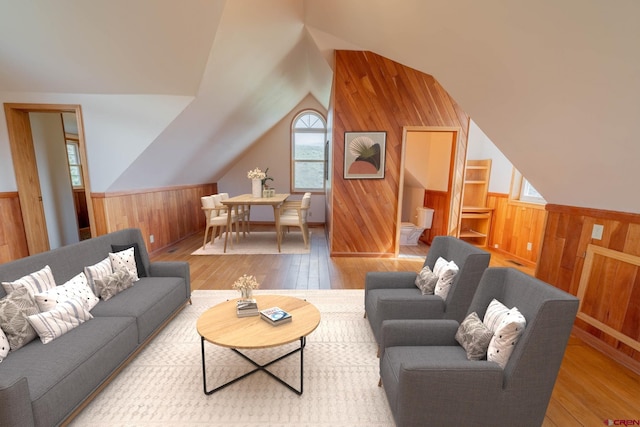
x=77, y=287
x=125, y=260
x=98, y=271
x=4, y=345
x=36, y=282
x=64, y=317
x=445, y=279
x=439, y=265
x=507, y=325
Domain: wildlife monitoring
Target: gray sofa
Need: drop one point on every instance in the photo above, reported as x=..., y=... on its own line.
x=430, y=382
x=44, y=384
x=394, y=295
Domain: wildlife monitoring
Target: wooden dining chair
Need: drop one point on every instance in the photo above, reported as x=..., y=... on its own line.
x=243, y=212
x=294, y=214
x=215, y=219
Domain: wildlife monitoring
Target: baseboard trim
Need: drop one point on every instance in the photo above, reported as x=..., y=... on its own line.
x=618, y=357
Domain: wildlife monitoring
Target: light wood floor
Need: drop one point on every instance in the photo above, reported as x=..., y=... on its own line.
x=591, y=388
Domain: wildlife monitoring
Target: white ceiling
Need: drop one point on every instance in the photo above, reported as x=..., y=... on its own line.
x=555, y=84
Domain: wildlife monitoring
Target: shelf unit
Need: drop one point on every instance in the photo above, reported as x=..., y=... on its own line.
x=475, y=218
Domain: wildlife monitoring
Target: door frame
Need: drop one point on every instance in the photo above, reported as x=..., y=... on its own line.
x=26, y=169
x=456, y=177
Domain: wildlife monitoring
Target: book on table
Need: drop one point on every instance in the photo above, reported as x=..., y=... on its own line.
x=247, y=308
x=275, y=315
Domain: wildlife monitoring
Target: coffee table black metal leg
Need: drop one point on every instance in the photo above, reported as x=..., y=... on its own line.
x=303, y=343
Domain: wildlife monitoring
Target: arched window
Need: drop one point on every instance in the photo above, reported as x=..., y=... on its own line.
x=308, y=137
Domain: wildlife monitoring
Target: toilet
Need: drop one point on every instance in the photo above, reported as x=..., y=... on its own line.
x=410, y=233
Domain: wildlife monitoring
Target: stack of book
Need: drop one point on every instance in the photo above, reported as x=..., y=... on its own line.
x=247, y=307
x=275, y=316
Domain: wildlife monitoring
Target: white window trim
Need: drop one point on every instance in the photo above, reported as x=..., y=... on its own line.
x=295, y=130
x=516, y=194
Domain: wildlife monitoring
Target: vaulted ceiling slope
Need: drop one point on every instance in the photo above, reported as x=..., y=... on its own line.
x=554, y=84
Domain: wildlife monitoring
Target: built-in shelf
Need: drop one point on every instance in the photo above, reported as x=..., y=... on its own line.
x=475, y=217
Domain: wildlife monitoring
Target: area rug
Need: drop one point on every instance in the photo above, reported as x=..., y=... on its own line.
x=255, y=243
x=163, y=385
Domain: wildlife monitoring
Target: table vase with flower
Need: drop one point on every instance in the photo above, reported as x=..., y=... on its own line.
x=256, y=187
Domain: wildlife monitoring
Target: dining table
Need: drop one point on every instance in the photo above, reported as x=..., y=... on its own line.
x=248, y=200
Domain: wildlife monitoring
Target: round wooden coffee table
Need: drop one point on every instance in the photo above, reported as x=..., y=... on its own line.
x=219, y=325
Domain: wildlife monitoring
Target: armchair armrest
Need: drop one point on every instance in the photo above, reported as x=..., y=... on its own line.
x=389, y=280
x=412, y=332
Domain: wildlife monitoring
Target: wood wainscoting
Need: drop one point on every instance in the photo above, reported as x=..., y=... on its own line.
x=566, y=241
x=13, y=242
x=169, y=214
x=436, y=200
x=514, y=226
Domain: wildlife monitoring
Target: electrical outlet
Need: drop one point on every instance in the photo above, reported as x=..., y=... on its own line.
x=496, y=246
x=529, y=246
x=596, y=233
x=310, y=214
x=151, y=238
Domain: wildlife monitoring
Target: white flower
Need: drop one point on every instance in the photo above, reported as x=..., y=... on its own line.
x=256, y=174
x=246, y=282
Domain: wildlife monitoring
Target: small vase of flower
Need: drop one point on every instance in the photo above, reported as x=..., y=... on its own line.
x=256, y=176
x=246, y=284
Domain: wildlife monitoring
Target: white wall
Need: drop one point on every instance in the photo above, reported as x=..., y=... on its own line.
x=117, y=129
x=55, y=183
x=273, y=151
x=481, y=147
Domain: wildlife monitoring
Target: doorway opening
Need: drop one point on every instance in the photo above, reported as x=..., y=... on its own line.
x=41, y=199
x=430, y=177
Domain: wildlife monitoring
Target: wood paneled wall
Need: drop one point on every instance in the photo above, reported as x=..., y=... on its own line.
x=566, y=237
x=169, y=214
x=372, y=93
x=436, y=200
x=513, y=225
x=13, y=242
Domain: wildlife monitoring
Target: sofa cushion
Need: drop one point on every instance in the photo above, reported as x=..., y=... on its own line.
x=62, y=373
x=446, y=274
x=426, y=280
x=142, y=272
x=474, y=337
x=98, y=271
x=114, y=283
x=38, y=281
x=4, y=345
x=151, y=301
x=507, y=325
x=14, y=310
x=125, y=260
x=56, y=322
x=77, y=287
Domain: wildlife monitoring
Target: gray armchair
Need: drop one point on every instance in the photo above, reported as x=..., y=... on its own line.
x=394, y=295
x=429, y=381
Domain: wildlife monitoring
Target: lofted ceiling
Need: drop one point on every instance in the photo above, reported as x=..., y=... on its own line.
x=555, y=84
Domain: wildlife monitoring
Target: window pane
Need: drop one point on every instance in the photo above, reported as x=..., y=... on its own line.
x=309, y=175
x=309, y=146
x=72, y=154
x=76, y=176
x=529, y=191
x=309, y=121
